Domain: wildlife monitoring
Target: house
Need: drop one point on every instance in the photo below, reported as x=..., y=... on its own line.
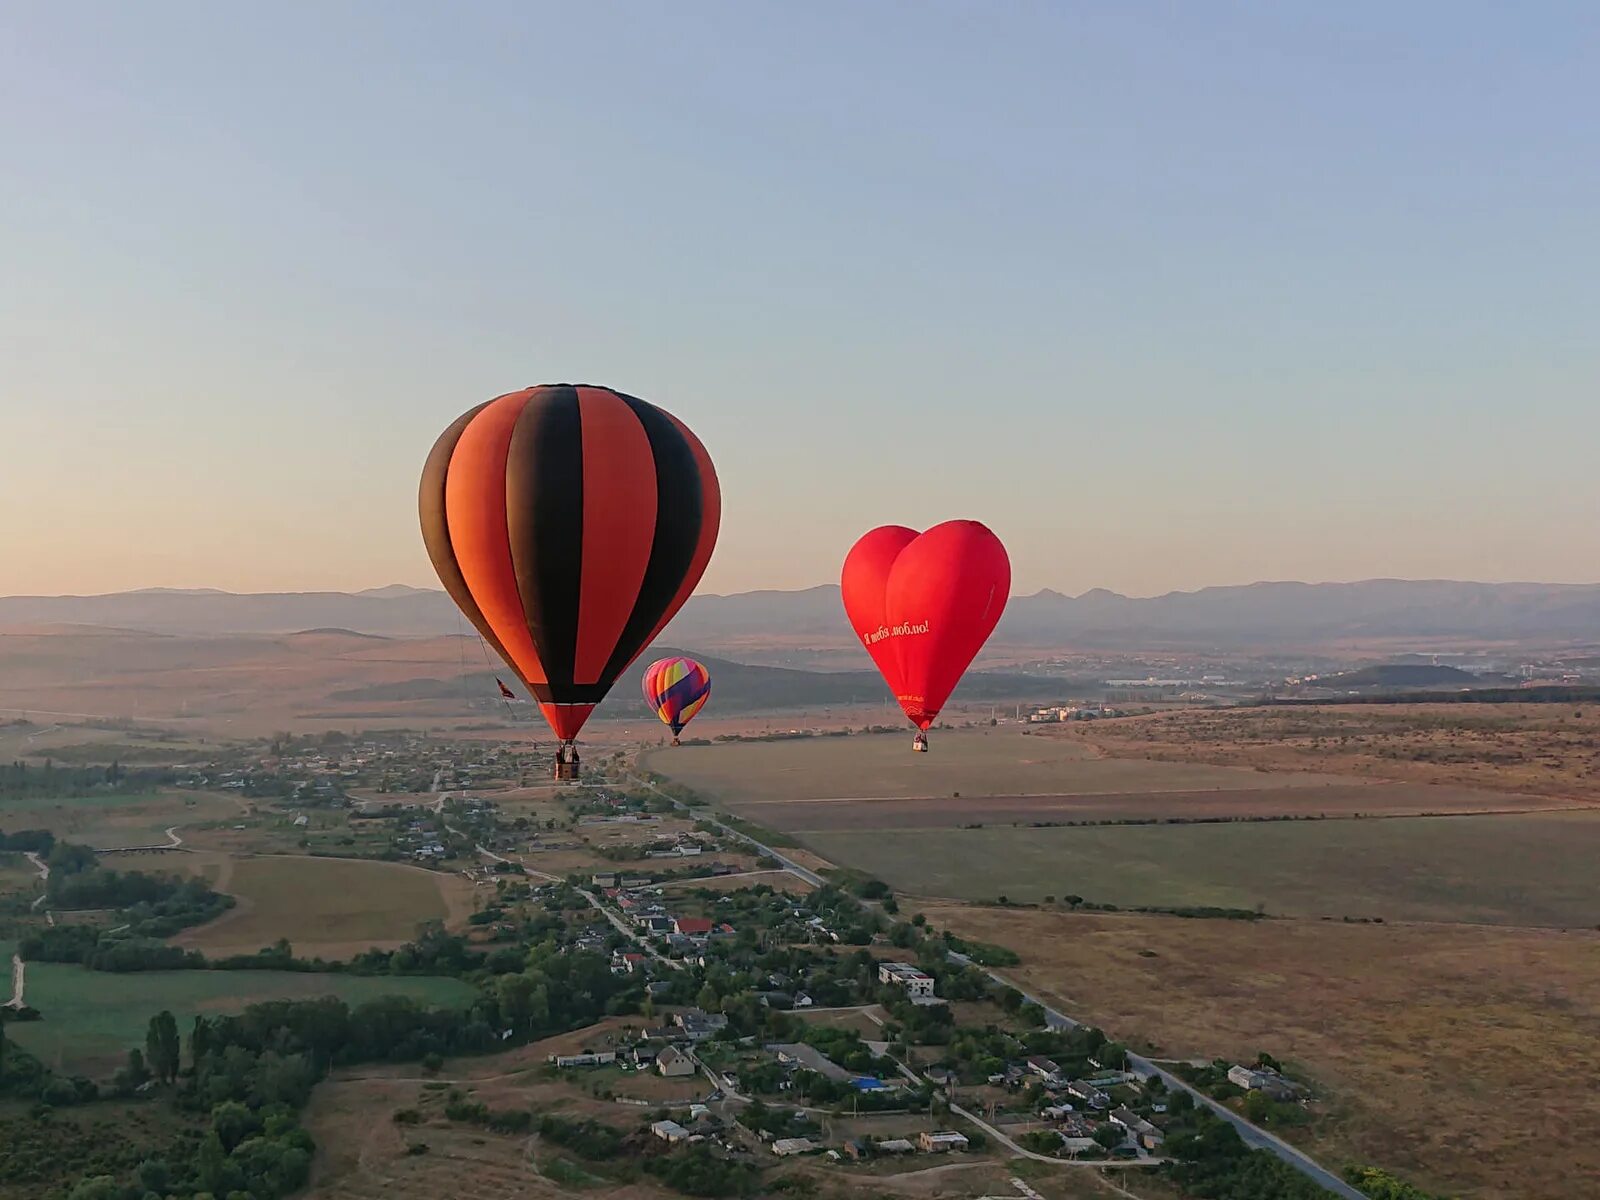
x=1131, y=1121
x=1152, y=1139
x=604, y=1058
x=643, y=1055
x=698, y=1025
x=895, y=1146
x=785, y=1147
x=674, y=1063
x=1264, y=1079
x=867, y=1083
x=670, y=1131
x=802, y=1000
x=658, y=988
x=903, y=975
x=1045, y=1068
x=627, y=963
x=811, y=1059
x=941, y=1076
x=1089, y=1094
x=692, y=926
x=857, y=1148
x=605, y=879
x=940, y=1143
x=1073, y=1126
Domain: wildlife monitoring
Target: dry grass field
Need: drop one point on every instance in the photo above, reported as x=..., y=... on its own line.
x=328, y=907
x=112, y=820
x=1545, y=749
x=1002, y=761
x=1535, y=869
x=1376, y=799
x=1463, y=1056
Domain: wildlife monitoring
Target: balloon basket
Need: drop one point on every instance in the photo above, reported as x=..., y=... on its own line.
x=567, y=771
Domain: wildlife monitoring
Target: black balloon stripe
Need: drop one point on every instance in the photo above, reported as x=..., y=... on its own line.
x=679, y=513
x=544, y=520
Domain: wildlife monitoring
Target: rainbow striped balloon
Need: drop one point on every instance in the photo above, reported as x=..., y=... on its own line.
x=676, y=688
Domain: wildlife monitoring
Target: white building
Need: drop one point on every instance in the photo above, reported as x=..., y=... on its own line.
x=904, y=975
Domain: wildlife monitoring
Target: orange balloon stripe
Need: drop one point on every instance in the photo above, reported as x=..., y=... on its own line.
x=475, y=501
x=619, y=518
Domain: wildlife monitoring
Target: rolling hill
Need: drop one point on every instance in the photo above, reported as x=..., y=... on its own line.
x=1251, y=615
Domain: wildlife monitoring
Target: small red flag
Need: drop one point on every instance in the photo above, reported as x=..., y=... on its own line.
x=504, y=690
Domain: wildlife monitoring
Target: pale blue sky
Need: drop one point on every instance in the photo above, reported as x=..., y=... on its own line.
x=1169, y=295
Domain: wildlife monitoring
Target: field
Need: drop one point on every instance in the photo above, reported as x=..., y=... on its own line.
x=328, y=907
x=111, y=820
x=1462, y=1056
x=1001, y=761
x=947, y=812
x=91, y=1019
x=1547, y=749
x=1535, y=869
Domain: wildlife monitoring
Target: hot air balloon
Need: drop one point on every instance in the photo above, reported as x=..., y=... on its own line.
x=923, y=605
x=676, y=688
x=569, y=523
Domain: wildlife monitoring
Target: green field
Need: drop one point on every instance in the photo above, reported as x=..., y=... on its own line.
x=92, y=1018
x=974, y=762
x=1534, y=869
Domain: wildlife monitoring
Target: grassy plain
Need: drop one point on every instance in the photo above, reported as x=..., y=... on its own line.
x=328, y=907
x=109, y=820
x=1462, y=1056
x=1534, y=869
x=947, y=812
x=91, y=1019
x=1546, y=749
x=999, y=761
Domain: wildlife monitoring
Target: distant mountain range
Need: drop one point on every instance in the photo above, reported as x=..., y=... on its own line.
x=1258, y=614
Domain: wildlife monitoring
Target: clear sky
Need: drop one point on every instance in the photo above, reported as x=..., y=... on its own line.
x=1167, y=294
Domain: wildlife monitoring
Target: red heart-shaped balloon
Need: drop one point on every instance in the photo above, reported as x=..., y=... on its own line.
x=924, y=604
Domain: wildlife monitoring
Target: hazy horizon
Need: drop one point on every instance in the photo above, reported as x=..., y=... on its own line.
x=1169, y=298
x=704, y=592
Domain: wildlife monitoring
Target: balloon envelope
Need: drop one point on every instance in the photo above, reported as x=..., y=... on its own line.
x=676, y=688
x=924, y=604
x=569, y=523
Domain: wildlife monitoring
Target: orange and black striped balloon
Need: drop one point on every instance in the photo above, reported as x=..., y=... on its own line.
x=569, y=523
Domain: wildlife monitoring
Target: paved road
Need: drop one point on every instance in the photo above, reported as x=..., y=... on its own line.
x=44, y=874
x=1253, y=1135
x=18, y=980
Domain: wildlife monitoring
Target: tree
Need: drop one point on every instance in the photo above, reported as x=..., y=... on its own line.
x=132, y=1074
x=1109, y=1135
x=199, y=1041
x=97, y=1187
x=1074, y=901
x=162, y=1047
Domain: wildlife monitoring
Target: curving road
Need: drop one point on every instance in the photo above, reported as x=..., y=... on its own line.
x=1253, y=1135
